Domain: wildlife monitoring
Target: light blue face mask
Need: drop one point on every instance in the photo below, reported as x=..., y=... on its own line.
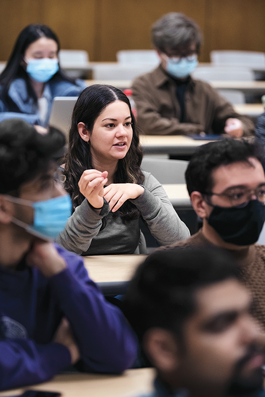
x=50, y=216
x=181, y=69
x=43, y=69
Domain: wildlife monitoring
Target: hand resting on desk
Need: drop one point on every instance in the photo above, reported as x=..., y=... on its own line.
x=234, y=127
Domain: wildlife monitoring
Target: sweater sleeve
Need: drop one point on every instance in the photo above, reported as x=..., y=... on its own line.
x=23, y=362
x=159, y=214
x=105, y=340
x=81, y=228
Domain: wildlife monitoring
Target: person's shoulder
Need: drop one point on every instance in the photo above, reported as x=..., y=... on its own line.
x=197, y=240
x=260, y=251
x=202, y=85
x=65, y=88
x=149, y=77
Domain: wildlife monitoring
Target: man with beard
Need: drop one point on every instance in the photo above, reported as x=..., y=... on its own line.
x=226, y=183
x=193, y=318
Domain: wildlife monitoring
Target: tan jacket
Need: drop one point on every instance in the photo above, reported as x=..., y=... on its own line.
x=158, y=109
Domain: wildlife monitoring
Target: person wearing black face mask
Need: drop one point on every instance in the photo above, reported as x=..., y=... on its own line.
x=226, y=183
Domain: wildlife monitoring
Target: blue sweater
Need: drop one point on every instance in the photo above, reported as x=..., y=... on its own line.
x=31, y=309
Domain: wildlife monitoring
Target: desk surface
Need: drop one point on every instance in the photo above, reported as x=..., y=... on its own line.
x=257, y=87
x=112, y=268
x=169, y=144
x=131, y=383
x=249, y=109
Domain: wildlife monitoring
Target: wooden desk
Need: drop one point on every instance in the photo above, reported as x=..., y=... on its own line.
x=248, y=87
x=249, y=109
x=169, y=144
x=112, y=273
x=131, y=383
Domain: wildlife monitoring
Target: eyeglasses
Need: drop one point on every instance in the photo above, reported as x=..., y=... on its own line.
x=177, y=59
x=239, y=196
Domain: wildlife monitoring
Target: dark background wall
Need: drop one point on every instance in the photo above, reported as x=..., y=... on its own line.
x=102, y=27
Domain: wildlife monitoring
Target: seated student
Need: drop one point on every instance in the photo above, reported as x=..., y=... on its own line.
x=226, y=184
x=192, y=316
x=33, y=77
x=260, y=133
x=107, y=186
x=41, y=284
x=169, y=100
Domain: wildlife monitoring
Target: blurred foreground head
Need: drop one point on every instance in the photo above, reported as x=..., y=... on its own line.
x=193, y=319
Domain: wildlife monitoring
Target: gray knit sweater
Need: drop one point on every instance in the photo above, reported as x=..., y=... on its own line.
x=83, y=233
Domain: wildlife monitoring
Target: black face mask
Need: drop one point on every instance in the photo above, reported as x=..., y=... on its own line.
x=238, y=225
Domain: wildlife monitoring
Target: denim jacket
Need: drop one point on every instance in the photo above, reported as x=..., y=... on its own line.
x=28, y=110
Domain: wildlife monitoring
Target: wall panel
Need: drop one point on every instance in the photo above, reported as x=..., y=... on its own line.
x=126, y=23
x=102, y=27
x=73, y=21
x=14, y=16
x=235, y=25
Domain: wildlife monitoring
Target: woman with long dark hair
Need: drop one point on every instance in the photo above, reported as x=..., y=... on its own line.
x=109, y=190
x=33, y=77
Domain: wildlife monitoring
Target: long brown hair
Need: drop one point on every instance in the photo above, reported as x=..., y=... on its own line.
x=91, y=102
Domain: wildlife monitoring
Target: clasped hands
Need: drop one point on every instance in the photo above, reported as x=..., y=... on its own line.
x=91, y=185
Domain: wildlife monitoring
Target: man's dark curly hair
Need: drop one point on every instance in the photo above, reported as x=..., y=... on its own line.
x=24, y=153
x=212, y=155
x=163, y=290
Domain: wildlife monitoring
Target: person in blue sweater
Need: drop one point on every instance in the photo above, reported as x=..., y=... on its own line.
x=52, y=314
x=33, y=77
x=192, y=315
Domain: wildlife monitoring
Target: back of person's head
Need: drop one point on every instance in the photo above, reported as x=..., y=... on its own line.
x=213, y=155
x=90, y=104
x=175, y=30
x=162, y=292
x=24, y=153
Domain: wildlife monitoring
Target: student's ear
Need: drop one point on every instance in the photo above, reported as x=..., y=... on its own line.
x=83, y=132
x=5, y=211
x=198, y=204
x=162, y=349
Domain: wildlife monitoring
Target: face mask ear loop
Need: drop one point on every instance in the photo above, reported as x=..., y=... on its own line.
x=31, y=231
x=18, y=200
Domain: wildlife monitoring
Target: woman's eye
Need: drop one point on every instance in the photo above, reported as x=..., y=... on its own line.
x=129, y=124
x=111, y=125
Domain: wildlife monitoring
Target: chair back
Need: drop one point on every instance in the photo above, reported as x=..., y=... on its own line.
x=138, y=56
x=233, y=96
x=223, y=73
x=166, y=171
x=242, y=58
x=120, y=71
x=73, y=57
